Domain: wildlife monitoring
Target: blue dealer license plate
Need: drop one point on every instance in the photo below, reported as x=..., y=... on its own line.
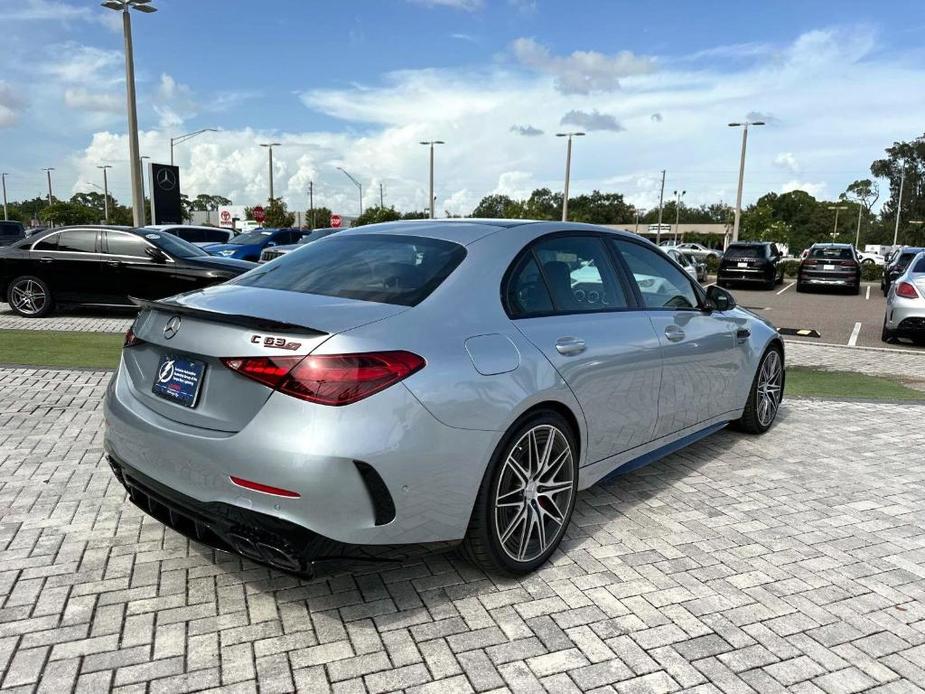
x=178, y=379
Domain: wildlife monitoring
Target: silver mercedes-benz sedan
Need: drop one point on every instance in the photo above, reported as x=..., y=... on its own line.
x=423, y=383
x=905, y=304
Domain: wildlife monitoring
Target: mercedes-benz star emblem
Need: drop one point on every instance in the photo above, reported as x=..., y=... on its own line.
x=172, y=327
x=166, y=179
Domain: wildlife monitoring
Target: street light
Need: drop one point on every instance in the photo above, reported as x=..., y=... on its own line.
x=360, y=188
x=144, y=192
x=123, y=7
x=744, y=125
x=639, y=212
x=431, y=143
x=270, y=146
x=677, y=212
x=105, y=191
x=837, y=209
x=857, y=236
x=3, y=176
x=899, y=204
x=48, y=171
x=568, y=167
x=189, y=136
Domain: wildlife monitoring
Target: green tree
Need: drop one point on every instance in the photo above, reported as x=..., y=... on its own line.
x=205, y=202
x=417, y=214
x=599, y=208
x=495, y=206
x=322, y=218
x=276, y=215
x=542, y=204
x=374, y=215
x=61, y=213
x=908, y=156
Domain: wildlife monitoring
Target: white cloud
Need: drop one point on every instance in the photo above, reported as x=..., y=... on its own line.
x=73, y=63
x=85, y=100
x=42, y=10
x=816, y=189
x=591, y=121
x=582, y=72
x=526, y=130
x=174, y=102
x=11, y=104
x=786, y=160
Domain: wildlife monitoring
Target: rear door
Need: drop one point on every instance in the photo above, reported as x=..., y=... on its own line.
x=74, y=266
x=700, y=360
x=567, y=298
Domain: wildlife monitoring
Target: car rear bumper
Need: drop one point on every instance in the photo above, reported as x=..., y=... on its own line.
x=906, y=316
x=382, y=471
x=734, y=274
x=829, y=279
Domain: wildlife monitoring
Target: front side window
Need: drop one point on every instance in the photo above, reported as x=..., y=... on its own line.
x=77, y=241
x=578, y=274
x=125, y=244
x=401, y=270
x=661, y=284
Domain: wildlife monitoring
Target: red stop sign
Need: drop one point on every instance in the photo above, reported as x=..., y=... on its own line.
x=259, y=214
x=336, y=221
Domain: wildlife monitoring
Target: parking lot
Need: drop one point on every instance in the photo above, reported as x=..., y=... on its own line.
x=837, y=317
x=742, y=563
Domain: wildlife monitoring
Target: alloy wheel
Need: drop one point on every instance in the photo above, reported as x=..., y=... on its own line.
x=770, y=384
x=28, y=297
x=534, y=493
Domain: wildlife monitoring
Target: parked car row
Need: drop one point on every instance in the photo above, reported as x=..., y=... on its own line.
x=905, y=300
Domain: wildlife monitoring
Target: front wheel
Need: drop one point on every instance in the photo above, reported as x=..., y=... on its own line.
x=30, y=296
x=526, y=498
x=765, y=395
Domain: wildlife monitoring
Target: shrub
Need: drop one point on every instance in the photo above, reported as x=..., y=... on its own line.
x=712, y=264
x=791, y=267
x=871, y=272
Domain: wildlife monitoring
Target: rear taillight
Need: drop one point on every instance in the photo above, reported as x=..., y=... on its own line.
x=330, y=379
x=131, y=339
x=809, y=261
x=849, y=263
x=906, y=291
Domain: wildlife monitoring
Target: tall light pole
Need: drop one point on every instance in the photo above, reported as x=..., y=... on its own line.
x=144, y=192
x=568, y=170
x=677, y=211
x=105, y=191
x=857, y=236
x=48, y=172
x=189, y=136
x=744, y=125
x=3, y=176
x=661, y=200
x=123, y=6
x=360, y=188
x=431, y=144
x=899, y=204
x=311, y=203
x=639, y=212
x=837, y=209
x=270, y=146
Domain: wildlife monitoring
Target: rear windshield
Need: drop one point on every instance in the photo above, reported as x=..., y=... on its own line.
x=902, y=262
x=830, y=253
x=745, y=252
x=400, y=270
x=249, y=237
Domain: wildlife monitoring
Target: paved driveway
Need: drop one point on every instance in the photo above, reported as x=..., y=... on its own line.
x=792, y=561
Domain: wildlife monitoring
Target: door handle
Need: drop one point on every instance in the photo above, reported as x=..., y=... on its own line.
x=46, y=259
x=569, y=346
x=674, y=333
x=114, y=263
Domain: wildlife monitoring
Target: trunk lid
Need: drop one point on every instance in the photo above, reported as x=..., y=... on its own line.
x=233, y=321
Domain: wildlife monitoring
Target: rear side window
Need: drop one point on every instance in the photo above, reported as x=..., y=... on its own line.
x=919, y=265
x=526, y=293
x=191, y=235
x=78, y=241
x=745, y=252
x=903, y=261
x=401, y=270
x=11, y=229
x=214, y=236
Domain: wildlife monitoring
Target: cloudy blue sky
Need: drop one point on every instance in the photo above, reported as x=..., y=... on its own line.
x=358, y=84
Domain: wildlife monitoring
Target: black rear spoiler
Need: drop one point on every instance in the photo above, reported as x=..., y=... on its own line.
x=226, y=318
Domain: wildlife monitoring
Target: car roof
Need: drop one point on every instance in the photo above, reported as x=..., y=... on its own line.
x=162, y=227
x=751, y=243
x=830, y=244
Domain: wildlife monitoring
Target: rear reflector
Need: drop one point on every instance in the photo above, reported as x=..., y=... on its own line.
x=263, y=488
x=329, y=379
x=906, y=291
x=131, y=340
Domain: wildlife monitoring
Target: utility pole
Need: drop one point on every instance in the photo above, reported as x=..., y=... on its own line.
x=105, y=191
x=837, y=209
x=639, y=212
x=48, y=171
x=381, y=197
x=3, y=176
x=270, y=146
x=661, y=200
x=431, y=143
x=568, y=170
x=311, y=204
x=744, y=125
x=899, y=205
x=857, y=236
x=677, y=212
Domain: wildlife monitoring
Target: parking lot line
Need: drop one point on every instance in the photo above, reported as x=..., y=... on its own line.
x=853, y=340
x=867, y=298
x=785, y=288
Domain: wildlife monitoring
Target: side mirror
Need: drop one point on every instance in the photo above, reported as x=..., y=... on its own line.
x=156, y=254
x=719, y=299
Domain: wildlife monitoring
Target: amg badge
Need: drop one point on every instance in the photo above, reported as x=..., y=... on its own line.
x=276, y=342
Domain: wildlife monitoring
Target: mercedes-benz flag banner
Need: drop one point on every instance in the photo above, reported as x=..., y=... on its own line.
x=165, y=194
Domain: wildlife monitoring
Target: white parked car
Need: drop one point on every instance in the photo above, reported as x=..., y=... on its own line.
x=871, y=258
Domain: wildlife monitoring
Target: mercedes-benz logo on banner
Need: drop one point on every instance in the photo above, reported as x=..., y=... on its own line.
x=172, y=327
x=166, y=179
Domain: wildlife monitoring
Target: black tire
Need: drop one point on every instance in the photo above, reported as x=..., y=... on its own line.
x=801, y=287
x=33, y=286
x=750, y=422
x=887, y=335
x=482, y=545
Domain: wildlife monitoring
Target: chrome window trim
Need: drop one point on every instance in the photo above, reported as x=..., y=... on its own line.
x=61, y=231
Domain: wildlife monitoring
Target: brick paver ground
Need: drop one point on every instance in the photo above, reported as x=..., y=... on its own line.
x=793, y=561
x=97, y=321
x=905, y=363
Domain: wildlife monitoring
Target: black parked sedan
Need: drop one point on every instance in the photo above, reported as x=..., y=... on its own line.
x=751, y=261
x=103, y=266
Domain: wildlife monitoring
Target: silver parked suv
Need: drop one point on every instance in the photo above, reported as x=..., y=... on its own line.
x=424, y=382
